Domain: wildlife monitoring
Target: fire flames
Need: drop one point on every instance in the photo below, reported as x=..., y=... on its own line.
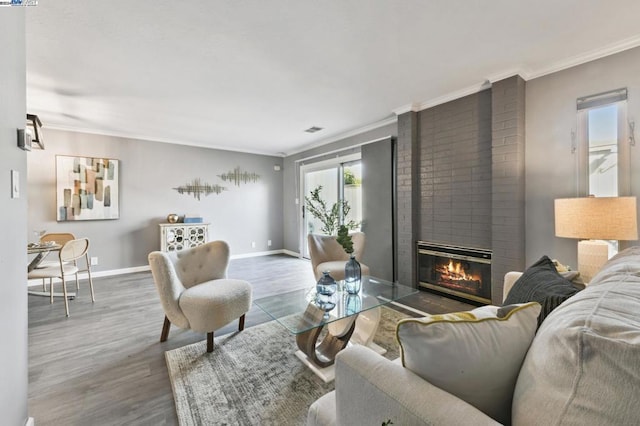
x=455, y=273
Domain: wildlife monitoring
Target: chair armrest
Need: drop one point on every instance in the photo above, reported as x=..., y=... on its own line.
x=510, y=279
x=371, y=389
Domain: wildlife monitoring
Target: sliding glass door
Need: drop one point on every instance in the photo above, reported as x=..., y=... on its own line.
x=341, y=179
x=328, y=179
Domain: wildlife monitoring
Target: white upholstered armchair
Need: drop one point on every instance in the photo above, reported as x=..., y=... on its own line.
x=194, y=291
x=328, y=255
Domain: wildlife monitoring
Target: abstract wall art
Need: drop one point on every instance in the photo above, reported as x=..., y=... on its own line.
x=87, y=188
x=197, y=187
x=237, y=176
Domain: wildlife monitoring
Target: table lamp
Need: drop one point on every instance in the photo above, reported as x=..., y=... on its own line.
x=590, y=219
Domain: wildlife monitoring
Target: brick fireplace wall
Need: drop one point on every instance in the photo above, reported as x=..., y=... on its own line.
x=460, y=178
x=455, y=172
x=407, y=214
x=508, y=191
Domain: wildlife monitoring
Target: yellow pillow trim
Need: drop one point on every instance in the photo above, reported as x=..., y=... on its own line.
x=454, y=318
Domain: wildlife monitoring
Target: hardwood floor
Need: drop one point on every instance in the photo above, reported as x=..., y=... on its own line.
x=104, y=365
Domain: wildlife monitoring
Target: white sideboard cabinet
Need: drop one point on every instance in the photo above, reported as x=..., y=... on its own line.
x=178, y=236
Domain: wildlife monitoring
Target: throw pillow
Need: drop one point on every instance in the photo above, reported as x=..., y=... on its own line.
x=473, y=355
x=543, y=284
x=571, y=275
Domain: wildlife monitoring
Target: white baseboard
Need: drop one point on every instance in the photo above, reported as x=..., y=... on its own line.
x=30, y=422
x=113, y=272
x=97, y=274
x=256, y=254
x=291, y=253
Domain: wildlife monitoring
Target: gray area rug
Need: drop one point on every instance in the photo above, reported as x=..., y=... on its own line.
x=253, y=377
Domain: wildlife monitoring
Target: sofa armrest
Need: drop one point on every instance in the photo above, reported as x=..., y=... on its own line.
x=371, y=389
x=510, y=279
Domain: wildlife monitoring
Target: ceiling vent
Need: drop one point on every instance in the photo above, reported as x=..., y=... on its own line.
x=313, y=129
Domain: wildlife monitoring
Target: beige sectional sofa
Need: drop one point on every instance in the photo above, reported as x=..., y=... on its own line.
x=582, y=368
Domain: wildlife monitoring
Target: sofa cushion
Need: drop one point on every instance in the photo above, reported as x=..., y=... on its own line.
x=473, y=355
x=583, y=366
x=541, y=283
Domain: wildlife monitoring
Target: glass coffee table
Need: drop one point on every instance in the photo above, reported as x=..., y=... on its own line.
x=347, y=318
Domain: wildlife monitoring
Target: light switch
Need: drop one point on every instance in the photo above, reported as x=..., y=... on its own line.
x=15, y=184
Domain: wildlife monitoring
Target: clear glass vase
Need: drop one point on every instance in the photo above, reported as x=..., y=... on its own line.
x=352, y=276
x=326, y=285
x=352, y=304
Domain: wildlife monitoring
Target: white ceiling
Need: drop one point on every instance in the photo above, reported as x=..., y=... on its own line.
x=252, y=75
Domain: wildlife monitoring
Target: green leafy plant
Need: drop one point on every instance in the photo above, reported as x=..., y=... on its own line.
x=345, y=239
x=329, y=216
x=350, y=178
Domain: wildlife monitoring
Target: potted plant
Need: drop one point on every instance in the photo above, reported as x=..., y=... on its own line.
x=352, y=269
x=329, y=216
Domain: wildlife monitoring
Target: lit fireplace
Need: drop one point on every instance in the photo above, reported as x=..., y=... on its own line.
x=463, y=272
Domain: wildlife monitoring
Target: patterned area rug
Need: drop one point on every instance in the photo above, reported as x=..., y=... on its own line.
x=253, y=377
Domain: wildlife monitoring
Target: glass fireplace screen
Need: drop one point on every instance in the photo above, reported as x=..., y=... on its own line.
x=463, y=272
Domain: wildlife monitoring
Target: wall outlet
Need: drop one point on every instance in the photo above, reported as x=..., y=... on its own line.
x=253, y=244
x=94, y=261
x=269, y=243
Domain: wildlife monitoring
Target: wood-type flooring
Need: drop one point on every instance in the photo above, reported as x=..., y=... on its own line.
x=104, y=365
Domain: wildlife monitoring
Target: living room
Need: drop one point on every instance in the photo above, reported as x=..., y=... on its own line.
x=518, y=227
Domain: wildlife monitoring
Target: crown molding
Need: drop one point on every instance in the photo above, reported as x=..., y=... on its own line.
x=525, y=73
x=155, y=139
x=412, y=107
x=350, y=133
x=611, y=49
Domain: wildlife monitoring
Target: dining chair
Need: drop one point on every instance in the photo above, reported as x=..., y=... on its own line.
x=68, y=255
x=58, y=238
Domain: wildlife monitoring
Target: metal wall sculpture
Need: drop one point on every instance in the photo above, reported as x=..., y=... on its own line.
x=237, y=176
x=197, y=187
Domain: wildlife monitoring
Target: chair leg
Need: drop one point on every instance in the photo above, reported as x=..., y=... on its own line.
x=165, y=329
x=75, y=263
x=50, y=290
x=241, y=323
x=93, y=297
x=210, y=342
x=44, y=285
x=64, y=291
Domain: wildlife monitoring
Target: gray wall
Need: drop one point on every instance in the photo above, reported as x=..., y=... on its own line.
x=149, y=170
x=291, y=189
x=550, y=165
x=13, y=257
x=377, y=207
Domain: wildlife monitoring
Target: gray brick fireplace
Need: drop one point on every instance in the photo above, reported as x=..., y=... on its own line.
x=460, y=179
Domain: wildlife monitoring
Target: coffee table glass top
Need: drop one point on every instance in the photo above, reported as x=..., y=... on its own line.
x=303, y=310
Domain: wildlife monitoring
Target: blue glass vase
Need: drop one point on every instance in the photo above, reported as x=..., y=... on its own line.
x=326, y=303
x=326, y=285
x=352, y=304
x=352, y=276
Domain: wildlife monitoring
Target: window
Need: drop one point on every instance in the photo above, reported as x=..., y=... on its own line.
x=604, y=165
x=604, y=154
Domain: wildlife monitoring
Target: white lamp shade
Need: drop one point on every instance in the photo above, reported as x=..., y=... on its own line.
x=605, y=218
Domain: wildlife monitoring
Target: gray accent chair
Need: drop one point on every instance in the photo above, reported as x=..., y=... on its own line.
x=195, y=292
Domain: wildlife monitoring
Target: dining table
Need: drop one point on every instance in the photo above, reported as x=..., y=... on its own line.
x=41, y=250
